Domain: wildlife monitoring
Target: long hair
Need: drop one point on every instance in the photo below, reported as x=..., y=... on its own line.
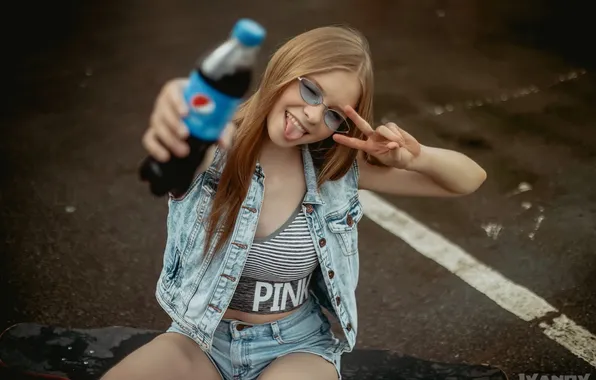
x=316, y=51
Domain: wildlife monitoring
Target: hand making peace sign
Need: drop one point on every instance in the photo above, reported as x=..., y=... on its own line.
x=390, y=144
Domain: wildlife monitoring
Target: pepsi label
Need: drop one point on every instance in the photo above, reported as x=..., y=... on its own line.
x=209, y=110
x=202, y=103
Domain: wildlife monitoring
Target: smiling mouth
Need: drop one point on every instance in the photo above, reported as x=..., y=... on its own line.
x=295, y=122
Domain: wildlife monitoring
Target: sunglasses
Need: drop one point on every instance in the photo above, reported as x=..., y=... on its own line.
x=313, y=95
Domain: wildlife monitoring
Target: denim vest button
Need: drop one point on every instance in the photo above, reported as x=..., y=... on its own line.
x=309, y=209
x=349, y=327
x=337, y=300
x=322, y=242
x=350, y=221
x=215, y=308
x=331, y=274
x=251, y=209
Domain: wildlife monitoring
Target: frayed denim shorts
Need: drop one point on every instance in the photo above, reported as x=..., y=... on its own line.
x=241, y=351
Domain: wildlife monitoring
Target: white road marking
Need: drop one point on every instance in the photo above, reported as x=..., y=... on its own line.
x=510, y=296
x=573, y=337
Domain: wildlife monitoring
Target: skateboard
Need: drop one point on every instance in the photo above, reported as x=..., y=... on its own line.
x=34, y=351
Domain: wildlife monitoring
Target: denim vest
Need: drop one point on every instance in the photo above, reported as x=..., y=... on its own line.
x=196, y=286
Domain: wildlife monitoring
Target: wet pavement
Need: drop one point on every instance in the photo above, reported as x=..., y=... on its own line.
x=81, y=239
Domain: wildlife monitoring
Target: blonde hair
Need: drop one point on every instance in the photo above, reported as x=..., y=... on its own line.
x=316, y=51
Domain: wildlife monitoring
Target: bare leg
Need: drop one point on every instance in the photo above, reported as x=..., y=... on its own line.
x=168, y=356
x=300, y=366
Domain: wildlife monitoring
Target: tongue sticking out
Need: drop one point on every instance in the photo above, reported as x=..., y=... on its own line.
x=292, y=132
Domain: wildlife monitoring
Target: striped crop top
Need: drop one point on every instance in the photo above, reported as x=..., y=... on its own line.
x=278, y=269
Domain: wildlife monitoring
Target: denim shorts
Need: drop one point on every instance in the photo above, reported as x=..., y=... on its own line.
x=241, y=351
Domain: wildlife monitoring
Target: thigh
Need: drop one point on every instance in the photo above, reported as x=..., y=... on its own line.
x=168, y=356
x=300, y=366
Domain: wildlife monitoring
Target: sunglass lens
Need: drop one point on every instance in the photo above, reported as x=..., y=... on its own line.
x=310, y=92
x=336, y=122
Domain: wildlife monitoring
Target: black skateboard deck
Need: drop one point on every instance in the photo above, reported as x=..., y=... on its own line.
x=29, y=350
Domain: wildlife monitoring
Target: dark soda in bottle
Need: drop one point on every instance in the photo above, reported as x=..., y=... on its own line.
x=216, y=88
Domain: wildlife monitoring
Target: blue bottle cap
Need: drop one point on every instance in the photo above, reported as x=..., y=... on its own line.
x=248, y=32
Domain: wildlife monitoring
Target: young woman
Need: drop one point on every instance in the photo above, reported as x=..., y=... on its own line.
x=266, y=237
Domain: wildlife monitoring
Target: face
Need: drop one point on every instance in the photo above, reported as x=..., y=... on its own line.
x=295, y=121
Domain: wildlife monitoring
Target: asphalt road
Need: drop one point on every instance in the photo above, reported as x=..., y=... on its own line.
x=81, y=239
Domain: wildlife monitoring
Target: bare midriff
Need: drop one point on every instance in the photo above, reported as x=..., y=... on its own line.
x=255, y=318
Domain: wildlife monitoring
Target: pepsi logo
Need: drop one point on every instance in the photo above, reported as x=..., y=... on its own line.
x=201, y=103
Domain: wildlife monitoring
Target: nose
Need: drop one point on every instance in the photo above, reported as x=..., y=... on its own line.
x=314, y=114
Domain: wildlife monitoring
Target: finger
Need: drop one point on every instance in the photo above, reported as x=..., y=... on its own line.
x=171, y=118
x=398, y=132
x=223, y=143
x=406, y=135
x=359, y=121
x=392, y=145
x=175, y=145
x=410, y=142
x=178, y=108
x=154, y=148
x=350, y=142
x=393, y=127
x=389, y=134
x=227, y=137
x=175, y=96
